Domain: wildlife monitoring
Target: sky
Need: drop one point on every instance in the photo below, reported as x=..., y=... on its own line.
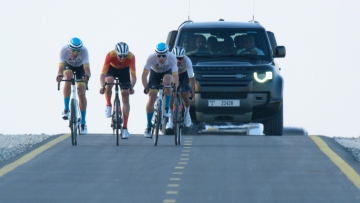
x=320, y=70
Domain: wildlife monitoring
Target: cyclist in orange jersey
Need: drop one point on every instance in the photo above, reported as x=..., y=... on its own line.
x=120, y=63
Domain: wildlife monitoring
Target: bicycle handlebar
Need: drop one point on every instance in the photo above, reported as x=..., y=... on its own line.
x=75, y=80
x=117, y=83
x=177, y=90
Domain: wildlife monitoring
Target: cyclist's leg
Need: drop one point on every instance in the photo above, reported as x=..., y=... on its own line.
x=124, y=79
x=110, y=79
x=81, y=90
x=108, y=89
x=68, y=74
x=167, y=80
x=185, y=93
x=108, y=94
x=154, y=79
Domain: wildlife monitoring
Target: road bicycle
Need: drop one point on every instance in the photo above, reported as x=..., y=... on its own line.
x=178, y=113
x=158, y=121
x=75, y=115
x=117, y=119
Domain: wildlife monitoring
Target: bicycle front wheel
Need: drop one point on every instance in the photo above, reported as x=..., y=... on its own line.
x=117, y=121
x=158, y=121
x=73, y=122
x=176, y=120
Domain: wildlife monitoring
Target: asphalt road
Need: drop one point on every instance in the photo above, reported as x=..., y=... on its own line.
x=205, y=168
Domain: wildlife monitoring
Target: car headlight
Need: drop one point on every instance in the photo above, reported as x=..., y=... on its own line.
x=263, y=77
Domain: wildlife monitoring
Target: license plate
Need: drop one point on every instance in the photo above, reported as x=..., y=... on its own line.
x=224, y=103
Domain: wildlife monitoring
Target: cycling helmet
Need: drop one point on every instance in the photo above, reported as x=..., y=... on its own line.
x=121, y=49
x=178, y=51
x=161, y=48
x=75, y=43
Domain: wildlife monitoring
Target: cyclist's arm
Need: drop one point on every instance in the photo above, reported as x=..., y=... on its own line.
x=192, y=84
x=87, y=69
x=105, y=69
x=86, y=63
x=61, y=68
x=174, y=69
x=144, y=77
x=175, y=78
x=133, y=71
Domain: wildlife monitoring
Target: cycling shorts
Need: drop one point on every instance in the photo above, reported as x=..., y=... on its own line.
x=123, y=75
x=155, y=78
x=184, y=82
x=79, y=71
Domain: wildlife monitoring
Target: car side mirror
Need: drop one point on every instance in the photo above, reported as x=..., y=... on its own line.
x=279, y=52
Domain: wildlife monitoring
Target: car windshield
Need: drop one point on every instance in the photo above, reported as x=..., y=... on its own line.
x=239, y=44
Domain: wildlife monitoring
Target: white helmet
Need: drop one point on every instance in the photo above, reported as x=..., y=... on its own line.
x=121, y=49
x=179, y=51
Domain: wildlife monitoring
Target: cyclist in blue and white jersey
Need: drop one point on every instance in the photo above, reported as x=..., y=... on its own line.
x=186, y=78
x=161, y=65
x=74, y=57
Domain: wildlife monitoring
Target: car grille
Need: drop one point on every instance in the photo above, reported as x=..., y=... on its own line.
x=225, y=110
x=224, y=95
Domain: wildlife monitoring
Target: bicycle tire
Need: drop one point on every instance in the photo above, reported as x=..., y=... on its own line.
x=117, y=120
x=73, y=122
x=181, y=122
x=158, y=122
x=176, y=120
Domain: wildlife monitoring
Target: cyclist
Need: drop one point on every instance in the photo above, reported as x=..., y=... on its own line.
x=120, y=63
x=186, y=76
x=162, y=65
x=74, y=57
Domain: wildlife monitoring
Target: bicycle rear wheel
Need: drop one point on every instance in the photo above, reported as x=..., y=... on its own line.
x=73, y=122
x=158, y=121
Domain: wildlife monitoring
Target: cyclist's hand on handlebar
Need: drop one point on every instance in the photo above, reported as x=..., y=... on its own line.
x=102, y=90
x=59, y=77
x=146, y=90
x=131, y=91
x=85, y=78
x=192, y=95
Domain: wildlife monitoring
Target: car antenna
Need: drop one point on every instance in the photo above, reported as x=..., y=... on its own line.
x=253, y=20
x=189, y=12
x=253, y=17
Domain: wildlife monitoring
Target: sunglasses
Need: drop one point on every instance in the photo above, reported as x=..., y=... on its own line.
x=75, y=51
x=122, y=56
x=180, y=58
x=159, y=56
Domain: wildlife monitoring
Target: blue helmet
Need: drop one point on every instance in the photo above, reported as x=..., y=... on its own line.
x=75, y=43
x=161, y=48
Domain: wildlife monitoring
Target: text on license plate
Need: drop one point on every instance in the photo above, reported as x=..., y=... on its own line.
x=224, y=103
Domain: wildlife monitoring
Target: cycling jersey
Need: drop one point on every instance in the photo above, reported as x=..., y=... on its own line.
x=112, y=60
x=153, y=63
x=81, y=58
x=186, y=65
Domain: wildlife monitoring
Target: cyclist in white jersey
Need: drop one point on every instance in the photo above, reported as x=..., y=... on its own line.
x=74, y=57
x=162, y=65
x=186, y=78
